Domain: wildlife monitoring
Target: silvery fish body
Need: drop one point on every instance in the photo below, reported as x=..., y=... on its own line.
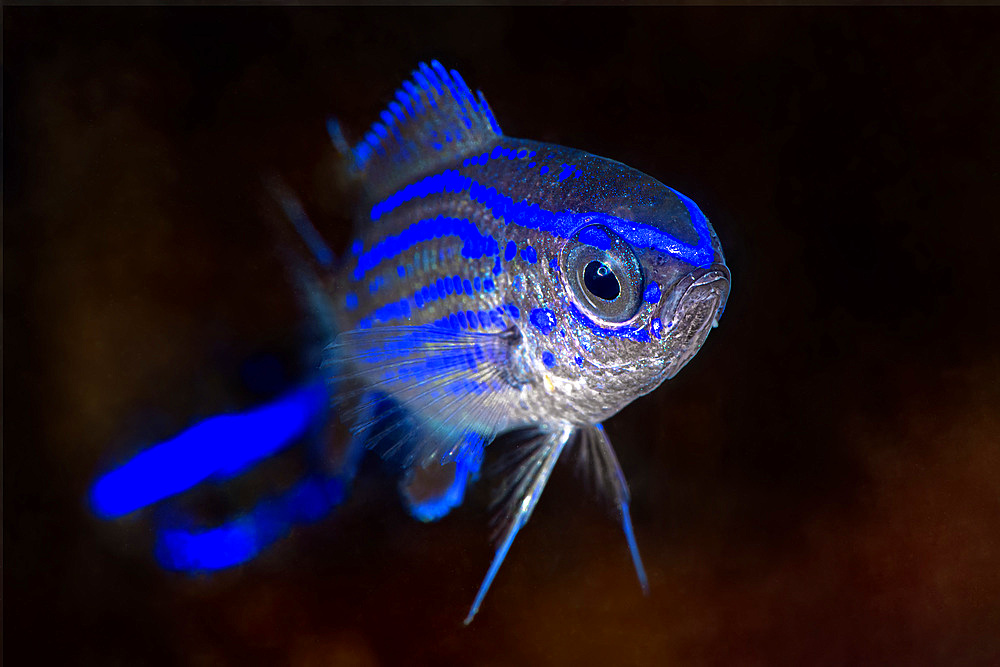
x=499, y=284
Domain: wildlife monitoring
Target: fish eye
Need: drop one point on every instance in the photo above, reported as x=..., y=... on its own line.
x=600, y=281
x=603, y=274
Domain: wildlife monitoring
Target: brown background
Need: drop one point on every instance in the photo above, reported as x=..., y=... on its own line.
x=819, y=486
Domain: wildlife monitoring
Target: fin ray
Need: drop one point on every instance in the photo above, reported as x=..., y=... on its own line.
x=446, y=383
x=597, y=461
x=433, y=118
x=516, y=506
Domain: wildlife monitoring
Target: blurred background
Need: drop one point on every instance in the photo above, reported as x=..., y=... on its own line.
x=819, y=486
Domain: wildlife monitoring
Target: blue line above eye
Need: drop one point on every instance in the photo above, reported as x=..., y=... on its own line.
x=561, y=223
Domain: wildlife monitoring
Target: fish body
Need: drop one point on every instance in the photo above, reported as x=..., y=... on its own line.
x=495, y=288
x=498, y=284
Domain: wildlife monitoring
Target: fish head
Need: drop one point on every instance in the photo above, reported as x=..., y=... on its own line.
x=642, y=280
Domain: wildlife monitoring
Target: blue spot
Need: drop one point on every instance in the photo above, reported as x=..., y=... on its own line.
x=544, y=170
x=457, y=281
x=357, y=247
x=453, y=321
x=473, y=320
x=462, y=319
x=579, y=361
x=351, y=301
x=548, y=359
x=510, y=251
x=468, y=286
x=497, y=269
x=517, y=283
x=529, y=254
x=652, y=293
x=531, y=164
x=401, y=271
x=488, y=284
x=656, y=326
x=513, y=310
x=554, y=263
x=418, y=299
x=477, y=283
x=437, y=146
x=543, y=319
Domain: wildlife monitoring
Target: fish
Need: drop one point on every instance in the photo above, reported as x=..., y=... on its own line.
x=496, y=289
x=501, y=285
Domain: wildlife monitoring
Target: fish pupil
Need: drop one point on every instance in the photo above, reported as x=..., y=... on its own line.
x=601, y=281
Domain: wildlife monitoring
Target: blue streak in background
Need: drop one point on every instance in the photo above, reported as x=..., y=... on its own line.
x=217, y=447
x=243, y=538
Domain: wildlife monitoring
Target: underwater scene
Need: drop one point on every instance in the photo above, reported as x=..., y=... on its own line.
x=496, y=336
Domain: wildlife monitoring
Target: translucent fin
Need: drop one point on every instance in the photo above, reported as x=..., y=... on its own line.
x=304, y=227
x=519, y=495
x=337, y=137
x=596, y=460
x=442, y=384
x=433, y=119
x=433, y=491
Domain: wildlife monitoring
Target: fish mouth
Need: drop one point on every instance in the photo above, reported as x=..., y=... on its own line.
x=693, y=309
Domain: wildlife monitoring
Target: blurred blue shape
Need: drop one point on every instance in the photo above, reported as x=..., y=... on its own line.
x=217, y=447
x=467, y=466
x=242, y=538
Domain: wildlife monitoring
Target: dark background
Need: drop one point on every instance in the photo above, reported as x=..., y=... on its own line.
x=819, y=486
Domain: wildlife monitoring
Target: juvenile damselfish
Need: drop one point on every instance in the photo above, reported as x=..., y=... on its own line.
x=505, y=286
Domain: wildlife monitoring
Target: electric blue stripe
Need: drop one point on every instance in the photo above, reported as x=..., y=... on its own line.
x=562, y=224
x=475, y=244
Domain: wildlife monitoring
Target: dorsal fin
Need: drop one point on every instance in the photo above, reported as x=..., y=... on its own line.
x=433, y=119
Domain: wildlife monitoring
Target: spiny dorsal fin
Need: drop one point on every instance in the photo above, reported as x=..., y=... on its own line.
x=433, y=119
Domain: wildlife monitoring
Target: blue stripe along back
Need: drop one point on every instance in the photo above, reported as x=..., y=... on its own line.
x=562, y=224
